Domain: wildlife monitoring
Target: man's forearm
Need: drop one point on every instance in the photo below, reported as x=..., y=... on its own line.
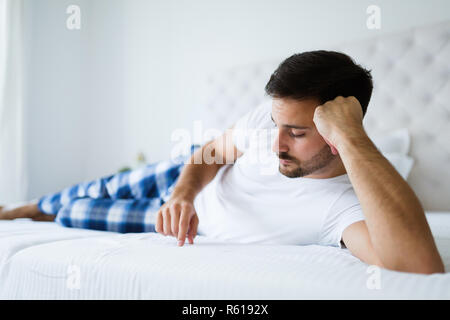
x=394, y=215
x=195, y=176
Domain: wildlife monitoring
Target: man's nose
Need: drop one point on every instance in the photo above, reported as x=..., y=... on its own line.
x=279, y=144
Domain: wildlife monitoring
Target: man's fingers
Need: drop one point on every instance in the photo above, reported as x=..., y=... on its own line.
x=183, y=228
x=166, y=224
x=187, y=214
x=179, y=220
x=175, y=218
x=193, y=225
x=158, y=223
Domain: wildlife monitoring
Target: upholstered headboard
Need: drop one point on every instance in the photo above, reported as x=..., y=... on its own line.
x=411, y=89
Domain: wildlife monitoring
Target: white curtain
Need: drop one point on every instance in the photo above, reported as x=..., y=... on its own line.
x=12, y=152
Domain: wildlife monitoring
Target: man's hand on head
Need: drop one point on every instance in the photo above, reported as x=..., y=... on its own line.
x=338, y=119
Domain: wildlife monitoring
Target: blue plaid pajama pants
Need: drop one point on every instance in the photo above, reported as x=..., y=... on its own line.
x=122, y=202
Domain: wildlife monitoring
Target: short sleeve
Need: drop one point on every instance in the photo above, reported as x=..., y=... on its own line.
x=345, y=211
x=254, y=119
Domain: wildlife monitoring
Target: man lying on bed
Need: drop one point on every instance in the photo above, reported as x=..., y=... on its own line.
x=331, y=185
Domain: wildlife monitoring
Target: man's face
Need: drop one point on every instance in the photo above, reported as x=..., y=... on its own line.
x=300, y=147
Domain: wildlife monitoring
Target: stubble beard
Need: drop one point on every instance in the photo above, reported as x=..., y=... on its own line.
x=298, y=169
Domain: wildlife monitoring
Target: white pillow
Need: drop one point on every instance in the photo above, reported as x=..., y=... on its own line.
x=396, y=141
x=403, y=164
x=394, y=146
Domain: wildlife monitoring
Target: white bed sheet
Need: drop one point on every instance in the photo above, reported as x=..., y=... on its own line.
x=42, y=260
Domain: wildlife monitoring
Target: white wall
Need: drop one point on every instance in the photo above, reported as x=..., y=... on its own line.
x=74, y=99
x=130, y=76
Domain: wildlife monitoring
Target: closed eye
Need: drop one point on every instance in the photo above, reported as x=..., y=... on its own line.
x=297, y=135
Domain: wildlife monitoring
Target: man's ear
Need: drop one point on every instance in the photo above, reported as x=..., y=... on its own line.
x=333, y=149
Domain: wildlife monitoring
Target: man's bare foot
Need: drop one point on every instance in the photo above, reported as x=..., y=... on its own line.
x=44, y=217
x=30, y=211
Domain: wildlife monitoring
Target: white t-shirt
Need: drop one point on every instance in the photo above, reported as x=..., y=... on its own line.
x=252, y=202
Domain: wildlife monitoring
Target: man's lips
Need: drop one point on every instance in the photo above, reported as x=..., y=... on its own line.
x=283, y=161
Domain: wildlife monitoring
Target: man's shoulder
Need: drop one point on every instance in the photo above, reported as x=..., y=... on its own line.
x=345, y=197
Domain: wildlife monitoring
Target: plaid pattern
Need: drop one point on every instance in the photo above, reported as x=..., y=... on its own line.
x=122, y=202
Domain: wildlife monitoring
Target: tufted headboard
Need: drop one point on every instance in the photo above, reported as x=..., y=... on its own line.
x=410, y=70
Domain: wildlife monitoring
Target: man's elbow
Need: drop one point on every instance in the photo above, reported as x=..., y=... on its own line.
x=420, y=267
x=429, y=268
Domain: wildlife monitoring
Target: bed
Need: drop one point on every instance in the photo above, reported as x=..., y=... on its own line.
x=42, y=260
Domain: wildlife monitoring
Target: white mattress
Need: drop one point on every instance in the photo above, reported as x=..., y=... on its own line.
x=42, y=260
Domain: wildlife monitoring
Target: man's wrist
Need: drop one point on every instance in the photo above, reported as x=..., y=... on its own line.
x=353, y=139
x=184, y=193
